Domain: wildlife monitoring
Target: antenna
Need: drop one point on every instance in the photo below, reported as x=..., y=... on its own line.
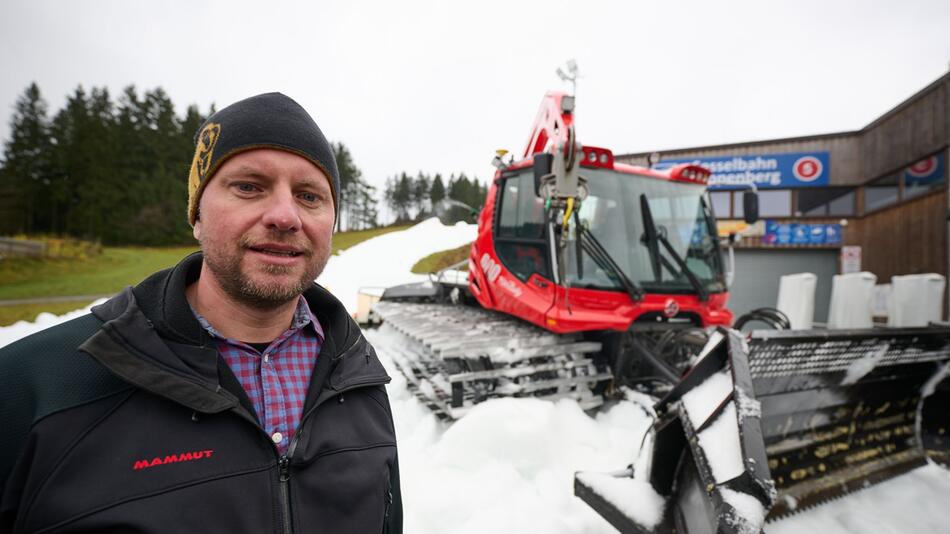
x=570, y=76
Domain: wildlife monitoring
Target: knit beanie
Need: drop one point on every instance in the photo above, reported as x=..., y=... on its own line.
x=270, y=120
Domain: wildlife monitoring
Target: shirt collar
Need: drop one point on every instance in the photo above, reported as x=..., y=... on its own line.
x=302, y=317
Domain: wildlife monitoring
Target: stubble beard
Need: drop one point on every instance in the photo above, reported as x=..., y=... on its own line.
x=264, y=295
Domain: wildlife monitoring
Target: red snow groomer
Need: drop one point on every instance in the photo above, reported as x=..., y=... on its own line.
x=589, y=277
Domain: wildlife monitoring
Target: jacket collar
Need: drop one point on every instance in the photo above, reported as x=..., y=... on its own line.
x=151, y=338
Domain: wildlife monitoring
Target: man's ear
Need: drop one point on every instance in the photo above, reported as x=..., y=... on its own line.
x=196, y=229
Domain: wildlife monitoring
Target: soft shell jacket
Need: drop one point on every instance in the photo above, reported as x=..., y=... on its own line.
x=127, y=420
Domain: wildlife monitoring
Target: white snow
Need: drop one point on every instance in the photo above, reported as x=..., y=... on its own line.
x=20, y=329
x=635, y=498
x=386, y=260
x=721, y=445
x=507, y=466
x=701, y=401
x=862, y=366
x=749, y=512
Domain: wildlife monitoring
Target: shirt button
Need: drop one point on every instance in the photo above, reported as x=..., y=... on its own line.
x=277, y=437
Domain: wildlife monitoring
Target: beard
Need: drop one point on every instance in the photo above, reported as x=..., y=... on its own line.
x=271, y=292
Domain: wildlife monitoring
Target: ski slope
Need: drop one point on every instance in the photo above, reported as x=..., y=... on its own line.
x=508, y=466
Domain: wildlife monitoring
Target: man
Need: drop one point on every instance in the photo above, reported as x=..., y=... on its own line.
x=228, y=394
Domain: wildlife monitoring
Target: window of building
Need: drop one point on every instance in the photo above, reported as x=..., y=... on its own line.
x=720, y=203
x=825, y=202
x=772, y=203
x=881, y=193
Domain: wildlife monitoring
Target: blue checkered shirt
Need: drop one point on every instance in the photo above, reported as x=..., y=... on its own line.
x=277, y=379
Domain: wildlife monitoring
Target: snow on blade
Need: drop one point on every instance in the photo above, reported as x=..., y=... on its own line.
x=749, y=512
x=862, y=366
x=702, y=400
x=635, y=498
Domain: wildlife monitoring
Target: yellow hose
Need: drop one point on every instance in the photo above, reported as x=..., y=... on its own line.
x=568, y=211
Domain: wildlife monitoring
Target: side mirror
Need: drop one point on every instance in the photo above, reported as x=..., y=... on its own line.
x=542, y=168
x=750, y=207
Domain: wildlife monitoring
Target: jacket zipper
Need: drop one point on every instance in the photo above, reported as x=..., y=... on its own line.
x=389, y=504
x=283, y=463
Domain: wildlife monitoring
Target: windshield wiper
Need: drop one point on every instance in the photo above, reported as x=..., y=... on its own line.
x=603, y=258
x=653, y=237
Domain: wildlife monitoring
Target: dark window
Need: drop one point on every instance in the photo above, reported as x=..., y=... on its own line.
x=522, y=212
x=720, y=203
x=520, y=242
x=772, y=203
x=881, y=193
x=523, y=259
x=825, y=201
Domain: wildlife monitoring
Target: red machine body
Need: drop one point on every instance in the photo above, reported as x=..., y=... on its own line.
x=558, y=307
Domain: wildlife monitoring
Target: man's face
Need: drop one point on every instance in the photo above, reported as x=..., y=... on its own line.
x=265, y=225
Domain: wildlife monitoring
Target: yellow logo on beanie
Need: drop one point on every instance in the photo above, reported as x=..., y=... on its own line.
x=204, y=152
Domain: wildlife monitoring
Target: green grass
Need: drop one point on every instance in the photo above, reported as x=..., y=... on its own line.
x=109, y=272
x=345, y=240
x=28, y=312
x=103, y=274
x=440, y=260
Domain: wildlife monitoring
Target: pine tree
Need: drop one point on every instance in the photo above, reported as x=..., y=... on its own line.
x=26, y=163
x=437, y=191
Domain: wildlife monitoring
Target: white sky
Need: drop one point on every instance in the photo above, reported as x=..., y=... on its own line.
x=438, y=86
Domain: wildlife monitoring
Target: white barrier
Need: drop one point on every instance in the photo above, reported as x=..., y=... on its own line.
x=916, y=299
x=796, y=299
x=851, y=300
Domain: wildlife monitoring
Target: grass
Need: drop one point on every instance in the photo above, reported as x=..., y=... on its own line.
x=345, y=240
x=440, y=260
x=28, y=312
x=103, y=274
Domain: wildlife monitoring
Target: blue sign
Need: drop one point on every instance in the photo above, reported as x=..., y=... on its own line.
x=766, y=171
x=926, y=172
x=777, y=233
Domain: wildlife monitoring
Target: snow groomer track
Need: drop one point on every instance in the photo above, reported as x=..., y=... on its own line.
x=457, y=356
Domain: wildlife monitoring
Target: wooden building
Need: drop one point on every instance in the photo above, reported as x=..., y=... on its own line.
x=882, y=188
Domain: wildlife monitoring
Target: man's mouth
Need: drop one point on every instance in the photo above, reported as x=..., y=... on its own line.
x=277, y=251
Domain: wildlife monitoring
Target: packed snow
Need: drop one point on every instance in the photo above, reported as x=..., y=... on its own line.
x=508, y=465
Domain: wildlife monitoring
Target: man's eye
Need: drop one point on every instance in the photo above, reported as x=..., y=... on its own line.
x=309, y=197
x=246, y=188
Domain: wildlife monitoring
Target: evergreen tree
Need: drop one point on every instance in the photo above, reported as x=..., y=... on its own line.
x=26, y=157
x=437, y=191
x=357, y=198
x=420, y=195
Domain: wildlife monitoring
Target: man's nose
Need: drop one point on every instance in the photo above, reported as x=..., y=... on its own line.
x=282, y=212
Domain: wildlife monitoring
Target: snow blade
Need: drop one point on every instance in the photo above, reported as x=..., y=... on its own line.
x=763, y=427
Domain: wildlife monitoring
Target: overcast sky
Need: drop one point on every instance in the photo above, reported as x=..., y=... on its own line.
x=439, y=85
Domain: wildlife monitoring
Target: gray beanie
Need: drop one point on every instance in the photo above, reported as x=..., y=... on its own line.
x=270, y=120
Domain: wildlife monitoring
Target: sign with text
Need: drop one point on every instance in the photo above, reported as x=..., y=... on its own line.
x=765, y=171
x=777, y=233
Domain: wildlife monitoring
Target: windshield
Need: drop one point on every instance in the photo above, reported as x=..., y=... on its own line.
x=612, y=214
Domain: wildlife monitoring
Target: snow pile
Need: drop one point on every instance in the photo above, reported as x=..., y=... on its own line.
x=386, y=260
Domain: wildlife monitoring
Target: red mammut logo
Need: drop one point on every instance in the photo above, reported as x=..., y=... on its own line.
x=172, y=459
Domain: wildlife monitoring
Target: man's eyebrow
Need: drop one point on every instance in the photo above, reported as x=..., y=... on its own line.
x=246, y=170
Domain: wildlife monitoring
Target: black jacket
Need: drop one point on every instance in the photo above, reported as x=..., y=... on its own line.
x=127, y=420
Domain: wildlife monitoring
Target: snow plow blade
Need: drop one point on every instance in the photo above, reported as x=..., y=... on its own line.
x=785, y=420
